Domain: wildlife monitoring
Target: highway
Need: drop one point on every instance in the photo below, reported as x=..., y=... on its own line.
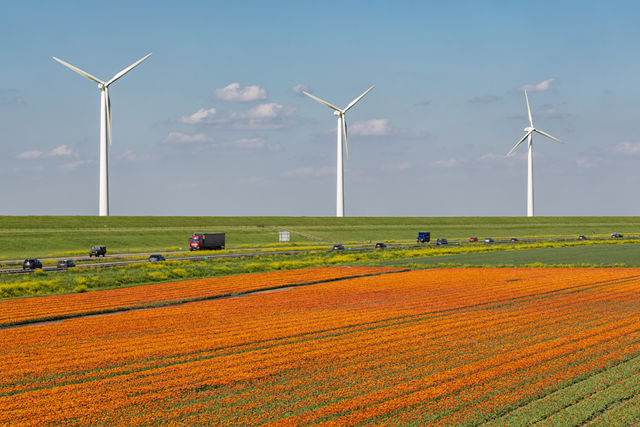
x=245, y=253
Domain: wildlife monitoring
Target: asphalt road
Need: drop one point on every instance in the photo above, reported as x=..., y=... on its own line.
x=107, y=264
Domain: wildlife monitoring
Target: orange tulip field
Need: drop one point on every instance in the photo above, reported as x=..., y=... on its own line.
x=441, y=347
x=19, y=311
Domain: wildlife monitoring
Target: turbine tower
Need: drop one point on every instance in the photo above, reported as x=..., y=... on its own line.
x=530, y=131
x=342, y=126
x=105, y=117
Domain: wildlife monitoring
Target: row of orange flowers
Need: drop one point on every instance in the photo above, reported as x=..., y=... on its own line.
x=430, y=347
x=20, y=310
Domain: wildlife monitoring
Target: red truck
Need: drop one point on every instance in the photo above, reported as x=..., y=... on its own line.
x=206, y=241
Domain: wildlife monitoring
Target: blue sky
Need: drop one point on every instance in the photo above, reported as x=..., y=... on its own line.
x=213, y=123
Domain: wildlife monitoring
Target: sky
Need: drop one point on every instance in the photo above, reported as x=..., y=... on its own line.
x=215, y=123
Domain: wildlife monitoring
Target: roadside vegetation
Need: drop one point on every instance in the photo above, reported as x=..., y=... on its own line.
x=625, y=253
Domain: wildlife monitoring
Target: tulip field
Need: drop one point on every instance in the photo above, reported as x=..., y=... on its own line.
x=439, y=347
x=20, y=311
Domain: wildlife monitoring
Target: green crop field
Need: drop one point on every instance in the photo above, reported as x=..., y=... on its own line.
x=44, y=236
x=606, y=255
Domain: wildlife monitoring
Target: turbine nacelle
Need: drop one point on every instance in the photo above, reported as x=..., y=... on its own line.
x=337, y=113
x=529, y=129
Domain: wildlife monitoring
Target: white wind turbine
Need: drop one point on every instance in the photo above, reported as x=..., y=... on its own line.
x=530, y=131
x=105, y=116
x=342, y=126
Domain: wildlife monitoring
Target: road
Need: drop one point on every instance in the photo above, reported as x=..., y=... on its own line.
x=107, y=264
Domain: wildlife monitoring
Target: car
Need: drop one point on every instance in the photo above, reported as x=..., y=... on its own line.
x=381, y=246
x=513, y=239
x=441, y=242
x=156, y=258
x=31, y=264
x=338, y=248
x=66, y=263
x=97, y=251
x=616, y=236
x=582, y=238
x=488, y=240
x=473, y=239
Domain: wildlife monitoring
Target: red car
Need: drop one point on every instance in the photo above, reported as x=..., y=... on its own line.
x=473, y=239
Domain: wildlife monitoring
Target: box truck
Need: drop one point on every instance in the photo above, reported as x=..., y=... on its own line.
x=206, y=241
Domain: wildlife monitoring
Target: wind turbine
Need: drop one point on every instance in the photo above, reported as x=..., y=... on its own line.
x=105, y=116
x=342, y=126
x=530, y=131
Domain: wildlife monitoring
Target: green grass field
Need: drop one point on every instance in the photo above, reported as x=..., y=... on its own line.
x=43, y=236
x=627, y=254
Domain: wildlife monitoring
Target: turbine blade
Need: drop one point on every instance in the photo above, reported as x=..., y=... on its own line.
x=346, y=138
x=548, y=136
x=519, y=142
x=358, y=99
x=108, y=105
x=528, y=108
x=323, y=102
x=126, y=70
x=79, y=71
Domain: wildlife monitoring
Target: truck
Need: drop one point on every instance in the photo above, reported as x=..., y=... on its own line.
x=96, y=251
x=423, y=237
x=206, y=241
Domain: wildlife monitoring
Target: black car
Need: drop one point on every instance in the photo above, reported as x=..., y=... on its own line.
x=441, y=242
x=156, y=258
x=338, y=248
x=67, y=263
x=582, y=238
x=616, y=236
x=31, y=264
x=381, y=246
x=513, y=239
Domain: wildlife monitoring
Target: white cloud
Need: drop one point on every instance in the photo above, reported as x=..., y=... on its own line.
x=263, y=111
x=201, y=116
x=371, y=128
x=263, y=116
x=399, y=166
x=30, y=155
x=448, y=163
x=15, y=102
x=540, y=87
x=181, y=138
x=68, y=167
x=234, y=93
x=587, y=162
x=548, y=111
x=62, y=150
x=301, y=88
x=501, y=158
x=309, y=171
x=252, y=144
x=627, y=148
x=485, y=99
x=131, y=156
x=381, y=127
